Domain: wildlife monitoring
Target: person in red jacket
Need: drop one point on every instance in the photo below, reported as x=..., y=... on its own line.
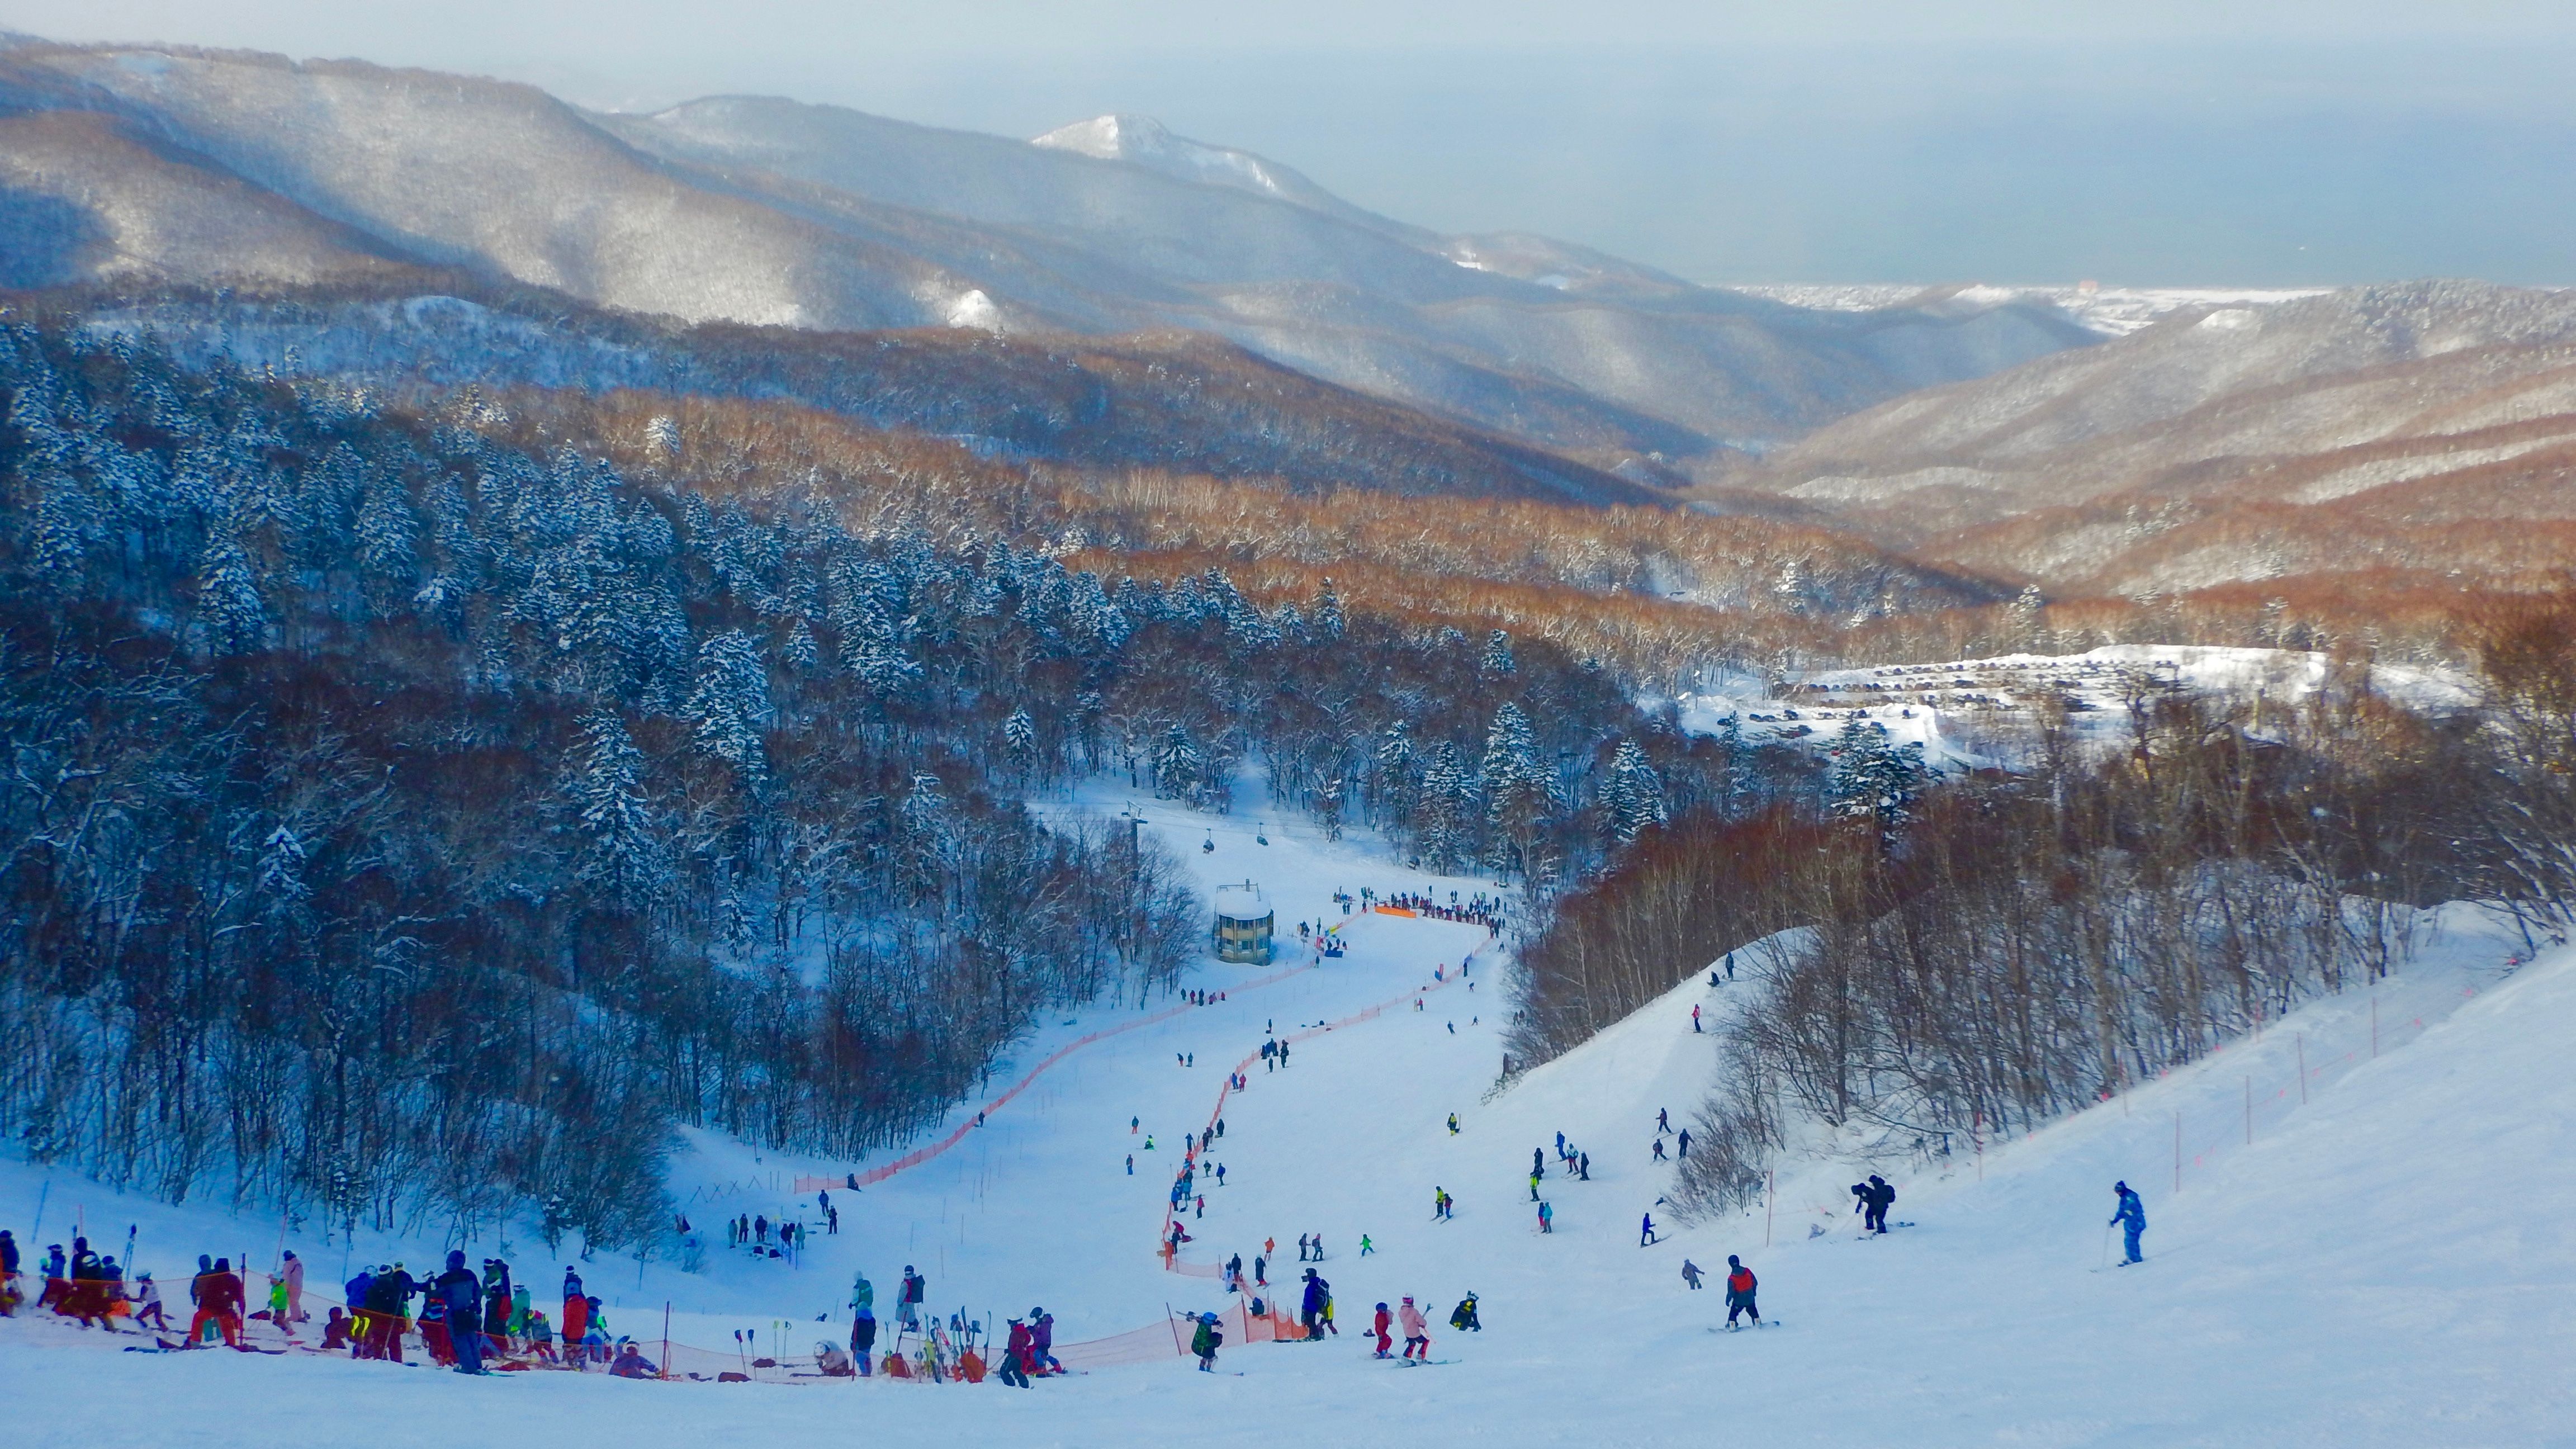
x=1385, y=1340
x=219, y=1301
x=1015, y=1355
x=1739, y=1291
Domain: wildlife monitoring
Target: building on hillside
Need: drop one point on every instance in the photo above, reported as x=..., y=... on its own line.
x=1243, y=921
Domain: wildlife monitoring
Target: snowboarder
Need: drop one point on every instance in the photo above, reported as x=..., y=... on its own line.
x=1690, y=1274
x=1463, y=1317
x=1739, y=1291
x=1378, y=1326
x=1694, y=1019
x=1646, y=1231
x=1204, y=1343
x=2132, y=1218
x=1416, y=1342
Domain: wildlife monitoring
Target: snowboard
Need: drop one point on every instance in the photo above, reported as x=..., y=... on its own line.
x=1764, y=1323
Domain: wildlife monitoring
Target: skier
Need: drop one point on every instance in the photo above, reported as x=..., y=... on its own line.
x=1015, y=1356
x=1204, y=1343
x=1415, y=1340
x=1583, y=1166
x=1683, y=1149
x=1538, y=1163
x=1131, y=1164
x=576, y=1310
x=1739, y=1291
x=1690, y=1274
x=1546, y=1217
x=1659, y=1150
x=863, y=1320
x=1234, y=1272
x=1301, y=1250
x=1533, y=1187
x=1663, y=1121
x=1260, y=1271
x=294, y=1275
x=2132, y=1217
x=1646, y=1231
x=1310, y=1307
x=1882, y=1196
x=1378, y=1326
x=147, y=1303
x=219, y=1302
x=1453, y=1124
x=461, y=1294
x=1366, y=1247
x=1463, y=1317
x=907, y=1302
x=1042, y=1342
x=1694, y=1019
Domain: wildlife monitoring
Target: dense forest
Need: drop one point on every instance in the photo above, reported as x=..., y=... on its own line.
x=413, y=812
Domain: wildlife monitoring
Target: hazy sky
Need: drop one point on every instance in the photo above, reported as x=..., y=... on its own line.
x=2189, y=141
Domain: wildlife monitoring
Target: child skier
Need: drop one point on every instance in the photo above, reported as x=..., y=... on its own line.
x=1205, y=1342
x=1415, y=1340
x=1378, y=1326
x=1690, y=1274
x=1463, y=1317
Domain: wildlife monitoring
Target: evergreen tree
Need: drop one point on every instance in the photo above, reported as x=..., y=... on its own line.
x=625, y=850
x=1180, y=770
x=1633, y=797
x=1329, y=622
x=1497, y=662
x=228, y=603
x=1517, y=792
x=731, y=701
x=1873, y=778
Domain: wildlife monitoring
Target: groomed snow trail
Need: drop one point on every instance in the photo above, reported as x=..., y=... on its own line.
x=2379, y=1266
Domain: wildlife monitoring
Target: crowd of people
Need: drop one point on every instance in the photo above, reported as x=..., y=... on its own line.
x=461, y=1319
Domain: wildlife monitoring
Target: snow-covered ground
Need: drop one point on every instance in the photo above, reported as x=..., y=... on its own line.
x=1953, y=709
x=2379, y=1266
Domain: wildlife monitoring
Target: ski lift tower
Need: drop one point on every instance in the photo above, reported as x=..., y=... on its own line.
x=1243, y=922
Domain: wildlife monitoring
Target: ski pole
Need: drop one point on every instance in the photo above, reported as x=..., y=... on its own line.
x=2105, y=1259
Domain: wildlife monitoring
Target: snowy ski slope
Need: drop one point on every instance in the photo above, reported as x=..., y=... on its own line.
x=2381, y=1265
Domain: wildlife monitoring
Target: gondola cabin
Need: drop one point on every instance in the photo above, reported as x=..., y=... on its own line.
x=1243, y=922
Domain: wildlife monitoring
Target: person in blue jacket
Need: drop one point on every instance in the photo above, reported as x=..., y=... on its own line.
x=2132, y=1218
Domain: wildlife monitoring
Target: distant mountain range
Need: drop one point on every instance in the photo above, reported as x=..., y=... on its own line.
x=158, y=166
x=2423, y=430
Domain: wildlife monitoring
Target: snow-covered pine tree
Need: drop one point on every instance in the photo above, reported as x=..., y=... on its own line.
x=1329, y=622
x=731, y=701
x=1632, y=798
x=229, y=607
x=1180, y=769
x=1873, y=777
x=1517, y=794
x=1497, y=661
x=624, y=846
